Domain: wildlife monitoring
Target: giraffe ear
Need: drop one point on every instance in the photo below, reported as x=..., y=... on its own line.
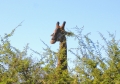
x=57, y=25
x=63, y=25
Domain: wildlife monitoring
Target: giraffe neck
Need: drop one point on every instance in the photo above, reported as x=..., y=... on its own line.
x=62, y=57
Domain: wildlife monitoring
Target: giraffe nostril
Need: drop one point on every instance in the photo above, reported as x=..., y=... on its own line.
x=52, y=41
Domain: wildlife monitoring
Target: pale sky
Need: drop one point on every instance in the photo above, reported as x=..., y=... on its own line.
x=40, y=17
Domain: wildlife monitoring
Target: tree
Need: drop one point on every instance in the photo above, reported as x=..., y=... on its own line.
x=95, y=63
x=91, y=66
x=16, y=66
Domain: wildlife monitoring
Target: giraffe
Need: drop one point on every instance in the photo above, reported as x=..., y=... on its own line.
x=59, y=35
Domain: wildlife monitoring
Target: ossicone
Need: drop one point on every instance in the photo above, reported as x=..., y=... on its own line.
x=63, y=25
x=64, y=22
x=57, y=25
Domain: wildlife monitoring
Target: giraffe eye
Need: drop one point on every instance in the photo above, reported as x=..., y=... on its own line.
x=63, y=32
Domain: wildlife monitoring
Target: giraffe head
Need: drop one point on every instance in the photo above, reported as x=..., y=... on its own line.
x=59, y=33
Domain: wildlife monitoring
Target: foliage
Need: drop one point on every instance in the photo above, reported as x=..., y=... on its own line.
x=16, y=67
x=94, y=63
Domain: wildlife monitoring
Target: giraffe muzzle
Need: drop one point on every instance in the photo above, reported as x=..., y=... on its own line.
x=52, y=41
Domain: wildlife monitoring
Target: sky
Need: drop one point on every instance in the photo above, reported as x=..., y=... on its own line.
x=40, y=16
